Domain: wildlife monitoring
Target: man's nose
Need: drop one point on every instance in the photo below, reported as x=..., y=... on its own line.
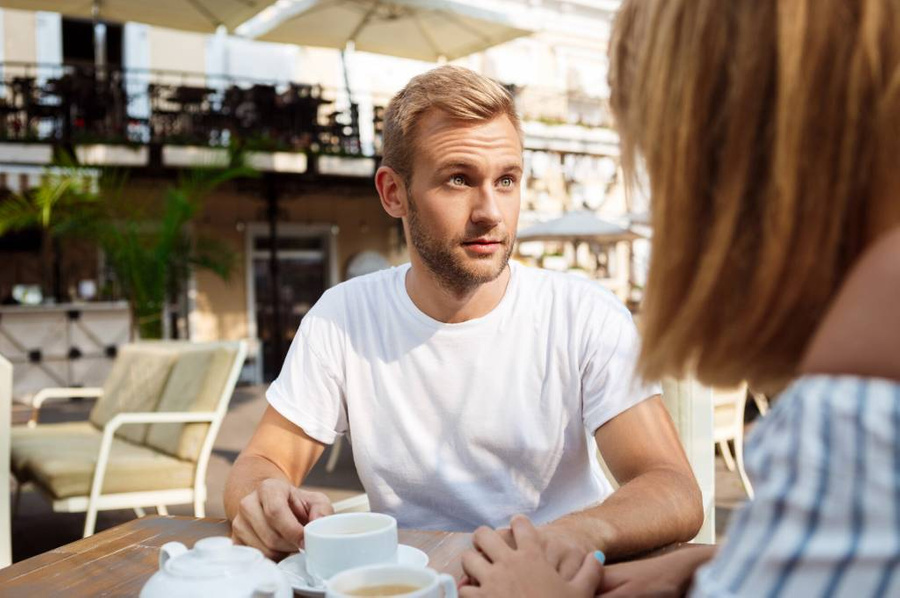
x=487, y=207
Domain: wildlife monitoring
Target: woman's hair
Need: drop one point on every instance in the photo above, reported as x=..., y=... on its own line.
x=461, y=93
x=769, y=131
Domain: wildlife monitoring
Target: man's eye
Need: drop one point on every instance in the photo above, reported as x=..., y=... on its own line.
x=457, y=179
x=507, y=182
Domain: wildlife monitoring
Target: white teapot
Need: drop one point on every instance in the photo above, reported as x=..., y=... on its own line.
x=215, y=567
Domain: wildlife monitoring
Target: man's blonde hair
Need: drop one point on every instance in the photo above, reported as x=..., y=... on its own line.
x=770, y=134
x=459, y=92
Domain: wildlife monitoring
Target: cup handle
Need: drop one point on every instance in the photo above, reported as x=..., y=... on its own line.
x=449, y=584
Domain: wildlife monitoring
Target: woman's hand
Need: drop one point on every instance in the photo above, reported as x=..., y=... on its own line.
x=664, y=576
x=495, y=569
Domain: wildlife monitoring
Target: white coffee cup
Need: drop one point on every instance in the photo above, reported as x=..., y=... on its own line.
x=428, y=582
x=340, y=542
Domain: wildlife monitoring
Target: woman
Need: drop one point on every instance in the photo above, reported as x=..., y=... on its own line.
x=769, y=131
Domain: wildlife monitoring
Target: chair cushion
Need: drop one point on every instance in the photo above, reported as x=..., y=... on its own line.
x=61, y=459
x=135, y=384
x=195, y=384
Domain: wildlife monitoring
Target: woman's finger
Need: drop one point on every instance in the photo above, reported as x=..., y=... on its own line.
x=524, y=533
x=490, y=543
x=475, y=566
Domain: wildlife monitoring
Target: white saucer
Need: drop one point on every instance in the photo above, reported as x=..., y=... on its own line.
x=294, y=567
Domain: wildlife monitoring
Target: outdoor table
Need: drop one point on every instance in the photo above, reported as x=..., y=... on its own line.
x=120, y=560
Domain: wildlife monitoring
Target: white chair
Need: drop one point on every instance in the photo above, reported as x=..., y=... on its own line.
x=690, y=405
x=729, y=427
x=6, y=390
x=131, y=454
x=354, y=504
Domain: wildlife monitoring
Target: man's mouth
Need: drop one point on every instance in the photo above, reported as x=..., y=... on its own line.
x=483, y=246
x=483, y=242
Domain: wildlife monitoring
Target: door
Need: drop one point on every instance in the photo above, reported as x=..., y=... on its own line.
x=304, y=267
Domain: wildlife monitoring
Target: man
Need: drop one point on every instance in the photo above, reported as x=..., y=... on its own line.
x=468, y=382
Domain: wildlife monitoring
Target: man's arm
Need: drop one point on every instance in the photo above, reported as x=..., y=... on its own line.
x=658, y=501
x=262, y=499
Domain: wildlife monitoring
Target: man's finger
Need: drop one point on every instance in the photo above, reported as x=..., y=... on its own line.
x=470, y=592
x=319, y=505
x=615, y=576
x=254, y=514
x=524, y=533
x=571, y=563
x=243, y=533
x=308, y=506
x=475, y=565
x=490, y=543
x=588, y=578
x=554, y=554
x=281, y=518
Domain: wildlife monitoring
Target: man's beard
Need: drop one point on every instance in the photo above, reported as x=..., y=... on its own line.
x=443, y=259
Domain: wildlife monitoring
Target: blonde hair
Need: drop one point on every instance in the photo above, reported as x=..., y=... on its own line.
x=770, y=134
x=457, y=91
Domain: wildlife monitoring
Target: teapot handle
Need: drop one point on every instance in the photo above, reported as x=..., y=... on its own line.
x=170, y=550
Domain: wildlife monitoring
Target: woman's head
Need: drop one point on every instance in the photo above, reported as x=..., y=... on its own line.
x=770, y=135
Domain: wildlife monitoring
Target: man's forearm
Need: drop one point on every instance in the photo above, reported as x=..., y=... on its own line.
x=246, y=474
x=657, y=508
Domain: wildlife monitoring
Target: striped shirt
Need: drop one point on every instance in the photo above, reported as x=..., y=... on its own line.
x=825, y=465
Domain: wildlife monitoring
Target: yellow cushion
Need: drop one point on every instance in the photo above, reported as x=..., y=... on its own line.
x=61, y=458
x=135, y=384
x=195, y=384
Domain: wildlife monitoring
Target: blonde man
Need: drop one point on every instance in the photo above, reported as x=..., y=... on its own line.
x=468, y=382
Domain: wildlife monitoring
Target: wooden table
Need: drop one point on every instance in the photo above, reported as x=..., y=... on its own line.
x=120, y=560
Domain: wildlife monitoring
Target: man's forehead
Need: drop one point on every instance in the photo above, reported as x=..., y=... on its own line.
x=442, y=137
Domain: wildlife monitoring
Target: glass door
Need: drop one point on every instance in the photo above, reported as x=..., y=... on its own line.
x=302, y=274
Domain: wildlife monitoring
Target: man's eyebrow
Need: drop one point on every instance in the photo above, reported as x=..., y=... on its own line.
x=458, y=165
x=512, y=167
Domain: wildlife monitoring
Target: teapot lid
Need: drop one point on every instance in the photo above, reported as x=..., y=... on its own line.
x=213, y=557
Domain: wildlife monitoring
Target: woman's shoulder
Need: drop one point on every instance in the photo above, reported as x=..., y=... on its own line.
x=860, y=334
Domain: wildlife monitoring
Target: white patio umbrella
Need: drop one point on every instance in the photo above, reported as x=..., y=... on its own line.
x=579, y=226
x=428, y=30
x=190, y=15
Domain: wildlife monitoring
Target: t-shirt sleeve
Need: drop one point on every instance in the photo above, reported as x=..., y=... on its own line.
x=308, y=391
x=609, y=385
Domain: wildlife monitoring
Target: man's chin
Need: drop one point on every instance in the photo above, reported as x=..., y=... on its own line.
x=484, y=269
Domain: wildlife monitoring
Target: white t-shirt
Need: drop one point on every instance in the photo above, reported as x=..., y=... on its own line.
x=459, y=425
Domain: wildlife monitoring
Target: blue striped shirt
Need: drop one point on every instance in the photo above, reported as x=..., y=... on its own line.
x=825, y=465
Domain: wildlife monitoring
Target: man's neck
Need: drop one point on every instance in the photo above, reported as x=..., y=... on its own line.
x=453, y=306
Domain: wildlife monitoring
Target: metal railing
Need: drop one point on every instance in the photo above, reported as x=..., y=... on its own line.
x=70, y=104
x=78, y=104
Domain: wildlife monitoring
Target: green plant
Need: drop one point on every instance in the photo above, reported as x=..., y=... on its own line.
x=153, y=255
x=151, y=251
x=67, y=191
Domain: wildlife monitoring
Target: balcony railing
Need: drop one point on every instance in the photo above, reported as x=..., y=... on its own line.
x=76, y=105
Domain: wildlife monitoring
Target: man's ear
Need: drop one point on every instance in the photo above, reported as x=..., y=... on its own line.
x=392, y=191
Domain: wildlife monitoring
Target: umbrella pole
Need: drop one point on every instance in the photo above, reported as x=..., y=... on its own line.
x=275, y=286
x=99, y=41
x=346, y=68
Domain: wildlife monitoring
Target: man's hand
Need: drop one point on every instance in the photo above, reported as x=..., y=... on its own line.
x=498, y=569
x=666, y=576
x=564, y=550
x=271, y=518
